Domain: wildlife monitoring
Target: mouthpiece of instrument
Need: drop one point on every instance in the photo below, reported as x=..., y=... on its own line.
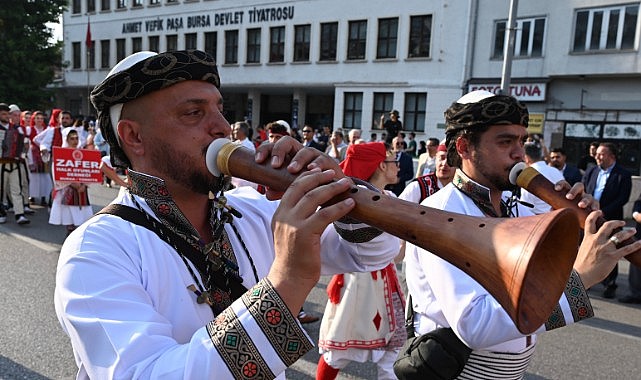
x=516, y=170
x=212, y=155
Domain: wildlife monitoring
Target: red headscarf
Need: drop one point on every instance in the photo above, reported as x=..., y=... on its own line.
x=53, y=121
x=361, y=160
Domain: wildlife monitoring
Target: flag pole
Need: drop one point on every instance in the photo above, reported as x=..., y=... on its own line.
x=88, y=46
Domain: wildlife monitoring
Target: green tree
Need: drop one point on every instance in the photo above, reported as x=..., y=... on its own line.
x=28, y=57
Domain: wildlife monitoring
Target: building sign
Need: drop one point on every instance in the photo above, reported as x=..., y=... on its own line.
x=253, y=15
x=622, y=131
x=526, y=92
x=535, y=124
x=76, y=165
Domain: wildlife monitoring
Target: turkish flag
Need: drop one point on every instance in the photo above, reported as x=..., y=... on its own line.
x=88, y=38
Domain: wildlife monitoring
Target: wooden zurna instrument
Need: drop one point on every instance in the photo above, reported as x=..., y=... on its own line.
x=523, y=262
x=531, y=180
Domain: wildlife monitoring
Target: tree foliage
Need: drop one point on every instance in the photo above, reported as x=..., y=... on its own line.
x=28, y=57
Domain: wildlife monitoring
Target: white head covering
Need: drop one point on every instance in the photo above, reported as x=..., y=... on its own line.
x=475, y=96
x=116, y=109
x=65, y=132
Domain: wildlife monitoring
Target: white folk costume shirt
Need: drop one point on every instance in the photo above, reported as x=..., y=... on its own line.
x=445, y=296
x=121, y=295
x=554, y=175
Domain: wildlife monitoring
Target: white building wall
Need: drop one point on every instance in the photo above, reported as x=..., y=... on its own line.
x=558, y=58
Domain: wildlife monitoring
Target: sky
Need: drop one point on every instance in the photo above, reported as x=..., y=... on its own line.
x=57, y=30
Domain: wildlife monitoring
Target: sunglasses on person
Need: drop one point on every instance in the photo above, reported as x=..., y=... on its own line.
x=307, y=131
x=398, y=164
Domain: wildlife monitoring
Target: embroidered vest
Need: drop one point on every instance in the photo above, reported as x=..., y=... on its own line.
x=12, y=142
x=428, y=184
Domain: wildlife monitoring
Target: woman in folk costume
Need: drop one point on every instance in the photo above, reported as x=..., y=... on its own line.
x=70, y=205
x=363, y=319
x=40, y=183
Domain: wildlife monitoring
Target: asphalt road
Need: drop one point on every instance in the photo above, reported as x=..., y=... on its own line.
x=33, y=346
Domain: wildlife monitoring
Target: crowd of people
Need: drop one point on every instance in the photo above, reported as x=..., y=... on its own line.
x=27, y=182
x=188, y=274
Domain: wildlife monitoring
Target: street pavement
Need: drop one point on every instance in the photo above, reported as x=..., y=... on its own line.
x=33, y=346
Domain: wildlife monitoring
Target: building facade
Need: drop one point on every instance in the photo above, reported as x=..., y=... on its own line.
x=315, y=62
x=322, y=62
x=577, y=66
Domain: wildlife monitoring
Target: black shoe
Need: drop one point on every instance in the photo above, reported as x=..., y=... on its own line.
x=610, y=291
x=20, y=219
x=307, y=318
x=630, y=299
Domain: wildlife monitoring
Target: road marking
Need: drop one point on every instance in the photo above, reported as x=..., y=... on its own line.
x=609, y=326
x=47, y=247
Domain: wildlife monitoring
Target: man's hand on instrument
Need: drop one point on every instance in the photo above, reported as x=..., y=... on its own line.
x=297, y=226
x=598, y=253
x=577, y=191
x=288, y=151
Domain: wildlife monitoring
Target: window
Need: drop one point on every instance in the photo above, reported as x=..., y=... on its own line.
x=76, y=7
x=172, y=42
x=121, y=51
x=137, y=3
x=420, y=36
x=211, y=43
x=154, y=2
x=121, y=4
x=191, y=41
x=357, y=39
x=528, y=39
x=414, y=113
x=136, y=44
x=352, y=110
x=329, y=38
x=383, y=104
x=301, y=43
x=387, y=38
x=91, y=5
x=277, y=44
x=253, y=45
x=105, y=49
x=76, y=58
x=154, y=44
x=611, y=28
x=231, y=46
x=105, y=5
